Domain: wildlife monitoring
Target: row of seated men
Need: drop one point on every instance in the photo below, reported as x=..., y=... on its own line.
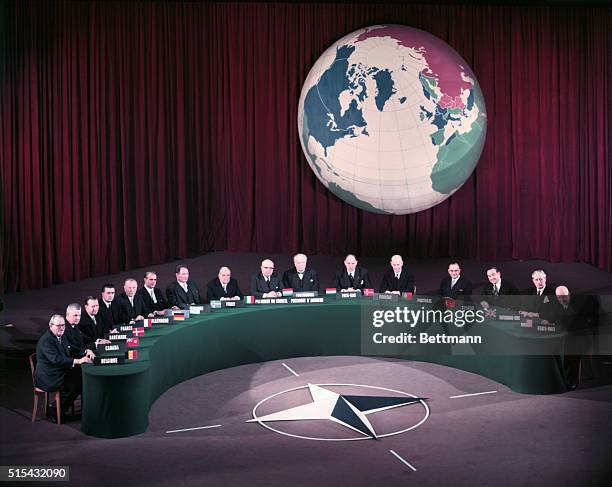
x=69, y=341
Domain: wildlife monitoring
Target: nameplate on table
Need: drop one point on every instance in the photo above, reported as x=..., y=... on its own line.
x=291, y=300
x=305, y=294
x=550, y=328
x=111, y=347
x=196, y=310
x=217, y=304
x=509, y=318
x=109, y=360
x=348, y=295
x=117, y=336
x=148, y=322
x=423, y=300
x=386, y=297
x=125, y=328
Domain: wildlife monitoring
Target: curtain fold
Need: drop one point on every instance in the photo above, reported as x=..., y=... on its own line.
x=136, y=133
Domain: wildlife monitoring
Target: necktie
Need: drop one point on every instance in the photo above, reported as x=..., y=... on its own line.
x=59, y=339
x=94, y=319
x=397, y=276
x=453, y=282
x=225, y=288
x=351, y=279
x=495, y=290
x=268, y=283
x=153, y=296
x=300, y=275
x=131, y=302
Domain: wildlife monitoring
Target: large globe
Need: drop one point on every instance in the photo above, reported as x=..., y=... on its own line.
x=391, y=119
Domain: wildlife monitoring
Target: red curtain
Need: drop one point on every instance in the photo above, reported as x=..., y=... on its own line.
x=136, y=133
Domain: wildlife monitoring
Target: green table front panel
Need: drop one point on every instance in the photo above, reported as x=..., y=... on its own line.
x=117, y=399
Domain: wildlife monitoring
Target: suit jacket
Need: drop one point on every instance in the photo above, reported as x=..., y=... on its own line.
x=52, y=362
x=259, y=286
x=127, y=312
x=405, y=283
x=538, y=304
x=505, y=289
x=75, y=341
x=506, y=296
x=580, y=317
x=149, y=305
x=108, y=317
x=309, y=281
x=176, y=296
x=361, y=280
x=91, y=331
x=463, y=287
x=214, y=289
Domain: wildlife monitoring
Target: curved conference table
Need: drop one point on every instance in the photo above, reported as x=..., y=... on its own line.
x=117, y=398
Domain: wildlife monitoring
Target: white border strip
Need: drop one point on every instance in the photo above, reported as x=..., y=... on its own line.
x=402, y=460
x=474, y=394
x=192, y=429
x=290, y=369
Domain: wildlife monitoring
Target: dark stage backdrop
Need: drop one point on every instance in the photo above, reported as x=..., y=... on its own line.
x=136, y=133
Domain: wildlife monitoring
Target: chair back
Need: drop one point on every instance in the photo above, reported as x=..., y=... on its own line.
x=32, y=359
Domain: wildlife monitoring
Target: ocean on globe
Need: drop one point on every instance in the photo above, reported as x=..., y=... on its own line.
x=391, y=119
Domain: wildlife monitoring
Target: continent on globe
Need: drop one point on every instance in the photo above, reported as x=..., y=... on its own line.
x=391, y=119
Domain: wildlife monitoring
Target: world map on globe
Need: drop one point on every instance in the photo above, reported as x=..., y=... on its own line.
x=392, y=119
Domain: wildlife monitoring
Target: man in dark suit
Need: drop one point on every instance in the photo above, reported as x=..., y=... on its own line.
x=498, y=292
x=351, y=277
x=397, y=280
x=131, y=307
x=55, y=368
x=538, y=297
x=578, y=316
x=152, y=297
x=182, y=293
x=455, y=285
x=72, y=334
x=90, y=325
x=266, y=283
x=223, y=287
x=108, y=313
x=300, y=277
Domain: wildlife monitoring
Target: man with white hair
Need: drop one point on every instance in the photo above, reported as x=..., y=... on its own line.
x=300, y=277
x=266, y=283
x=539, y=296
x=223, y=287
x=55, y=368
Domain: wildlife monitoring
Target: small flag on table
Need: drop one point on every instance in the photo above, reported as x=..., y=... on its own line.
x=132, y=354
x=330, y=290
x=249, y=299
x=132, y=342
x=178, y=316
x=450, y=302
x=407, y=296
x=138, y=332
x=368, y=292
x=288, y=291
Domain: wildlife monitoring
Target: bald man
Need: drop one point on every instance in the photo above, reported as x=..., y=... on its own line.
x=352, y=277
x=397, y=279
x=131, y=305
x=223, y=287
x=266, y=283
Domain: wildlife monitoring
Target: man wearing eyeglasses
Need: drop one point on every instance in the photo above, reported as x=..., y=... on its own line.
x=266, y=283
x=55, y=369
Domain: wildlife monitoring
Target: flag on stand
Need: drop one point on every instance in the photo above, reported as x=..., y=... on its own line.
x=368, y=292
x=132, y=354
x=288, y=291
x=138, y=332
x=249, y=299
x=330, y=290
x=132, y=342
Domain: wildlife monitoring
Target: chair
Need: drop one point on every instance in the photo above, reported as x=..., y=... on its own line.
x=37, y=391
